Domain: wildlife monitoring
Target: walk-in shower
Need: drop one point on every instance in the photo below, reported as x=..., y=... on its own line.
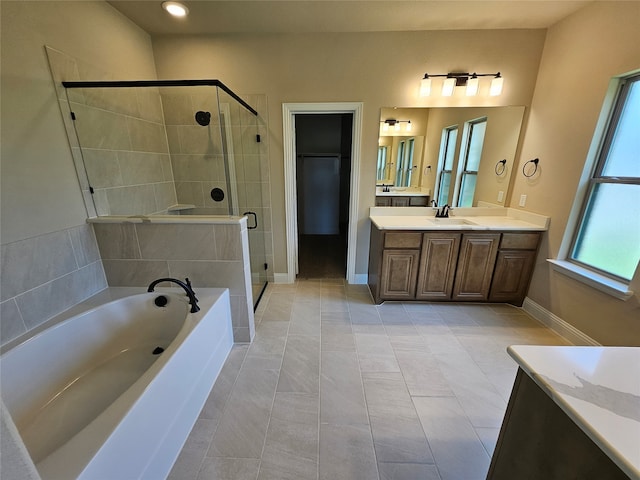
x=172, y=147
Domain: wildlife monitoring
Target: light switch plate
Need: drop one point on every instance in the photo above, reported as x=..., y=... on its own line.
x=500, y=196
x=523, y=200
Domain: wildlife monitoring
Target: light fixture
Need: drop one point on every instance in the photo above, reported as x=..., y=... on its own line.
x=176, y=9
x=496, y=85
x=395, y=124
x=472, y=86
x=461, y=79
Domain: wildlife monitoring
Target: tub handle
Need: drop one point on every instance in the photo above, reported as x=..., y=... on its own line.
x=255, y=220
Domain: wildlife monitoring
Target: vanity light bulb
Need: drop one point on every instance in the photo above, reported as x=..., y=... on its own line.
x=472, y=87
x=396, y=127
x=448, y=86
x=425, y=87
x=496, y=86
x=385, y=127
x=408, y=127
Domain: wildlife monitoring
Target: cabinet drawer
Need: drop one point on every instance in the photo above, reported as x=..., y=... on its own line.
x=519, y=241
x=402, y=240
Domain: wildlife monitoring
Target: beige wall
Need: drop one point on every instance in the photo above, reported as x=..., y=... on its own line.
x=581, y=54
x=350, y=67
x=40, y=190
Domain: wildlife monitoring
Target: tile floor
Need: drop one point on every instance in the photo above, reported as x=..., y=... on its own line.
x=334, y=387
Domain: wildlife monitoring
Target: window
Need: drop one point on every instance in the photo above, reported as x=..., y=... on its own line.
x=382, y=162
x=602, y=246
x=445, y=162
x=608, y=236
x=470, y=161
x=405, y=162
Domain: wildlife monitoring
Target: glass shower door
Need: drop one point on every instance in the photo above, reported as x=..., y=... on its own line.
x=244, y=156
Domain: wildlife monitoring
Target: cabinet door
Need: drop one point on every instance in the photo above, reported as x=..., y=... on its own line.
x=418, y=201
x=437, y=266
x=383, y=201
x=400, y=201
x=399, y=273
x=512, y=275
x=475, y=266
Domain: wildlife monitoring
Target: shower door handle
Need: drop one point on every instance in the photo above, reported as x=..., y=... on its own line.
x=255, y=219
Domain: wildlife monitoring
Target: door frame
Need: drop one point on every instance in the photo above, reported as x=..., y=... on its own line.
x=289, y=111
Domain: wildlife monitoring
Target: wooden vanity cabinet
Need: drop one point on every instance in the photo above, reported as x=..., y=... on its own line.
x=451, y=265
x=438, y=260
x=402, y=201
x=514, y=267
x=477, y=258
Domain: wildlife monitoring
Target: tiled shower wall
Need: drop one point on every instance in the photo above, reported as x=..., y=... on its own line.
x=211, y=255
x=123, y=140
x=43, y=276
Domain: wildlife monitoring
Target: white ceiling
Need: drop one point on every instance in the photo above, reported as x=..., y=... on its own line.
x=268, y=16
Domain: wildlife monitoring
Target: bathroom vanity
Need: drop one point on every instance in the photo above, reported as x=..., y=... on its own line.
x=574, y=412
x=404, y=197
x=478, y=254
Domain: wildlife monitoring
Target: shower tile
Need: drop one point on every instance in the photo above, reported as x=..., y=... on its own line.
x=228, y=242
x=48, y=257
x=84, y=245
x=63, y=68
x=134, y=273
x=190, y=193
x=239, y=310
x=147, y=136
x=177, y=109
x=167, y=169
x=200, y=140
x=192, y=168
x=117, y=240
x=101, y=129
x=223, y=274
x=176, y=242
x=46, y=301
x=102, y=168
x=139, y=167
x=250, y=147
x=137, y=200
x=11, y=324
x=149, y=104
x=173, y=139
x=165, y=194
x=209, y=202
x=117, y=100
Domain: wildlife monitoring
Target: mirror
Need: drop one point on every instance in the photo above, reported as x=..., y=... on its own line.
x=461, y=156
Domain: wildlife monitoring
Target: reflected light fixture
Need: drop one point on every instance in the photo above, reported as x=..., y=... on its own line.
x=176, y=9
x=470, y=81
x=395, y=124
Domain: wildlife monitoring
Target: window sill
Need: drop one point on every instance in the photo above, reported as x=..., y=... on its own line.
x=600, y=282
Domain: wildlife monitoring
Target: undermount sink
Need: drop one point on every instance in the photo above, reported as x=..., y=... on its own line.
x=451, y=221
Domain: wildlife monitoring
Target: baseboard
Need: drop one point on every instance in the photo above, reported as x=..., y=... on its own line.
x=557, y=324
x=281, y=278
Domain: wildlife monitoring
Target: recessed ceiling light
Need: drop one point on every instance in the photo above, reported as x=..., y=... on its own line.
x=175, y=8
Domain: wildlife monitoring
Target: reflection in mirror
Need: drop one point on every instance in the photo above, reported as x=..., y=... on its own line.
x=454, y=153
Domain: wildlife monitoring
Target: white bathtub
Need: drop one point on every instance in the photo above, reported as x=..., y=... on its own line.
x=92, y=401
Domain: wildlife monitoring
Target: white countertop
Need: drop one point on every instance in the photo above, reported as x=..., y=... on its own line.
x=423, y=218
x=403, y=192
x=598, y=388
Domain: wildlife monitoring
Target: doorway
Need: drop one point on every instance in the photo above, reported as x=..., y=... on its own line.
x=290, y=113
x=323, y=171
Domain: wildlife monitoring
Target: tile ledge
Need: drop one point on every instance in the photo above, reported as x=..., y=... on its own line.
x=607, y=285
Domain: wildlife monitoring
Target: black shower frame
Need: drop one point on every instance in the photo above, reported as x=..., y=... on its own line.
x=160, y=83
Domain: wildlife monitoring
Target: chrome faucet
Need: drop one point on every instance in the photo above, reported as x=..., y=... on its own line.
x=193, y=301
x=434, y=203
x=443, y=212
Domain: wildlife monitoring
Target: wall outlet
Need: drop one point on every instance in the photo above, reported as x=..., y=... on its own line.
x=523, y=200
x=500, y=196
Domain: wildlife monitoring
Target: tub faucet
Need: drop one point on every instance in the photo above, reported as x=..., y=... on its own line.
x=193, y=301
x=443, y=212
